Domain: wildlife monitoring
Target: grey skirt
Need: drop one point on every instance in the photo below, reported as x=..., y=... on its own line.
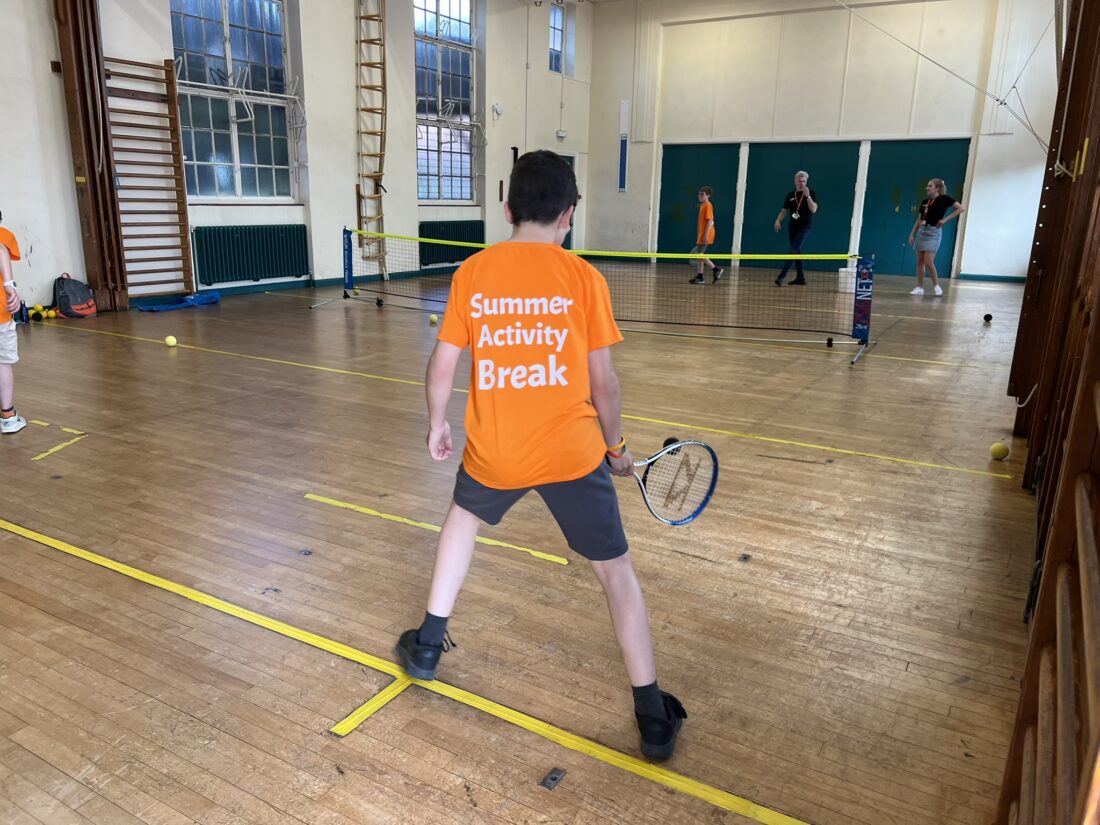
x=928, y=239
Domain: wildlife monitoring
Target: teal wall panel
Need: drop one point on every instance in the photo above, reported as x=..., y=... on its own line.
x=684, y=168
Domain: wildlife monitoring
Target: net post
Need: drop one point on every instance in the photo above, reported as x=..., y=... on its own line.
x=349, y=283
x=861, y=304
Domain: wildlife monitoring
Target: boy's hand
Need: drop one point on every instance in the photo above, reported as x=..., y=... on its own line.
x=623, y=465
x=12, y=303
x=439, y=442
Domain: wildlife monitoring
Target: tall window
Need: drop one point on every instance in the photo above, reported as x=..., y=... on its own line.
x=557, y=36
x=233, y=106
x=444, y=99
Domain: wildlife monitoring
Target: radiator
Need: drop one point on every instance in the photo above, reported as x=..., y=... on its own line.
x=463, y=231
x=224, y=254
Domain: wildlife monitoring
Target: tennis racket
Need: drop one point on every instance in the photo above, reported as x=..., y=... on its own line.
x=677, y=483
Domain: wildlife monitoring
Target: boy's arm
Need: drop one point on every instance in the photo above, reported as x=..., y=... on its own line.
x=706, y=231
x=607, y=401
x=438, y=386
x=11, y=297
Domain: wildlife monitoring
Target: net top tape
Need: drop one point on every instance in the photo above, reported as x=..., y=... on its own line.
x=714, y=256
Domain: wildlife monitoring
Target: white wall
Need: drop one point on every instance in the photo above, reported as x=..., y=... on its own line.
x=748, y=70
x=37, y=195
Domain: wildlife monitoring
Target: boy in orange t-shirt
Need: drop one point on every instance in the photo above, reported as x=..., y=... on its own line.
x=10, y=420
x=543, y=415
x=704, y=237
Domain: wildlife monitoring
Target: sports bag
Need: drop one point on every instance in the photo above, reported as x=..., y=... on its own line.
x=72, y=298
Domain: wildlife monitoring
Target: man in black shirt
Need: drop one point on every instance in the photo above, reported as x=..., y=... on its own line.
x=801, y=205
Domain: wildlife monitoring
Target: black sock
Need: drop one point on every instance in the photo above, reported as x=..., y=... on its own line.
x=648, y=701
x=432, y=630
x=716, y=269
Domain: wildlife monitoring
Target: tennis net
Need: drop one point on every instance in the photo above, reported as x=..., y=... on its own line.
x=645, y=288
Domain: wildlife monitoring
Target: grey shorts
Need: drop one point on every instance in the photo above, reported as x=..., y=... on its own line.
x=700, y=249
x=928, y=239
x=586, y=509
x=9, y=343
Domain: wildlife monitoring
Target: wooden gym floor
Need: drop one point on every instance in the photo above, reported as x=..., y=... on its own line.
x=844, y=630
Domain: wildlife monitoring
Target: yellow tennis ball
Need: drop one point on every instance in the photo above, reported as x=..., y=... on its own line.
x=51, y=313
x=434, y=319
x=999, y=450
x=38, y=307
x=170, y=340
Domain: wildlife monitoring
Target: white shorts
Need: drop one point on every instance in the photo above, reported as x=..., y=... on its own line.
x=9, y=343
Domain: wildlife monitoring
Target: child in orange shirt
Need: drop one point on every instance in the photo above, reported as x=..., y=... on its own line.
x=543, y=415
x=704, y=237
x=10, y=421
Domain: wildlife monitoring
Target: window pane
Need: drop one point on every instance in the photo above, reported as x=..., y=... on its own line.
x=192, y=34
x=214, y=43
x=177, y=30
x=226, y=186
x=223, y=147
x=238, y=44
x=276, y=81
x=282, y=183
x=248, y=182
x=263, y=120
x=274, y=51
x=218, y=70
x=257, y=77
x=207, y=184
x=278, y=121
x=244, y=120
x=196, y=68
x=188, y=147
x=274, y=20
x=246, y=145
x=252, y=14
x=185, y=110
x=265, y=183
x=281, y=154
x=200, y=112
x=212, y=9
x=263, y=150
x=192, y=180
x=236, y=12
x=177, y=5
x=255, y=47
x=204, y=147
x=219, y=112
x=193, y=7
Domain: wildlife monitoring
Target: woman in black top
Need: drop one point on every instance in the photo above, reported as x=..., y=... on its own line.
x=927, y=231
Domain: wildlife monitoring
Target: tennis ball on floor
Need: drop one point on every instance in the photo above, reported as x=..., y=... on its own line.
x=987, y=317
x=36, y=315
x=170, y=340
x=998, y=450
x=38, y=307
x=433, y=319
x=51, y=313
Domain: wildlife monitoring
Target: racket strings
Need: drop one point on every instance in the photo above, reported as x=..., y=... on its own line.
x=679, y=482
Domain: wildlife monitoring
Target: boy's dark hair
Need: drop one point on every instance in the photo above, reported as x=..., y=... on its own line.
x=542, y=186
x=706, y=190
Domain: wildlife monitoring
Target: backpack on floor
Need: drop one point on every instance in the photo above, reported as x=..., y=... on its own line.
x=72, y=298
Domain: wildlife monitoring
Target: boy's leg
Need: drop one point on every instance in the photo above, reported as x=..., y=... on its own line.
x=452, y=559
x=626, y=604
x=7, y=387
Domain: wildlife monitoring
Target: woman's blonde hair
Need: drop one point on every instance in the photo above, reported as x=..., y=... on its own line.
x=939, y=184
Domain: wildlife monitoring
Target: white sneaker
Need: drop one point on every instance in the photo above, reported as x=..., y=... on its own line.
x=917, y=291
x=13, y=424
x=937, y=290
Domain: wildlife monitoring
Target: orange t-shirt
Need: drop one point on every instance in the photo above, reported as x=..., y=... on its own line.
x=706, y=213
x=8, y=240
x=530, y=313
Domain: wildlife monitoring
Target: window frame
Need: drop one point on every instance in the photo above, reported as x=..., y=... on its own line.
x=234, y=96
x=437, y=122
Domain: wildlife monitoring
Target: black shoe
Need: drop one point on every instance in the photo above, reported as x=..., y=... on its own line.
x=798, y=282
x=698, y=279
x=717, y=273
x=779, y=281
x=659, y=735
x=420, y=660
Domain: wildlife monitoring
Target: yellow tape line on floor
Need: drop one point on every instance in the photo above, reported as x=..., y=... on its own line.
x=59, y=447
x=435, y=528
x=362, y=713
x=655, y=773
x=683, y=425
